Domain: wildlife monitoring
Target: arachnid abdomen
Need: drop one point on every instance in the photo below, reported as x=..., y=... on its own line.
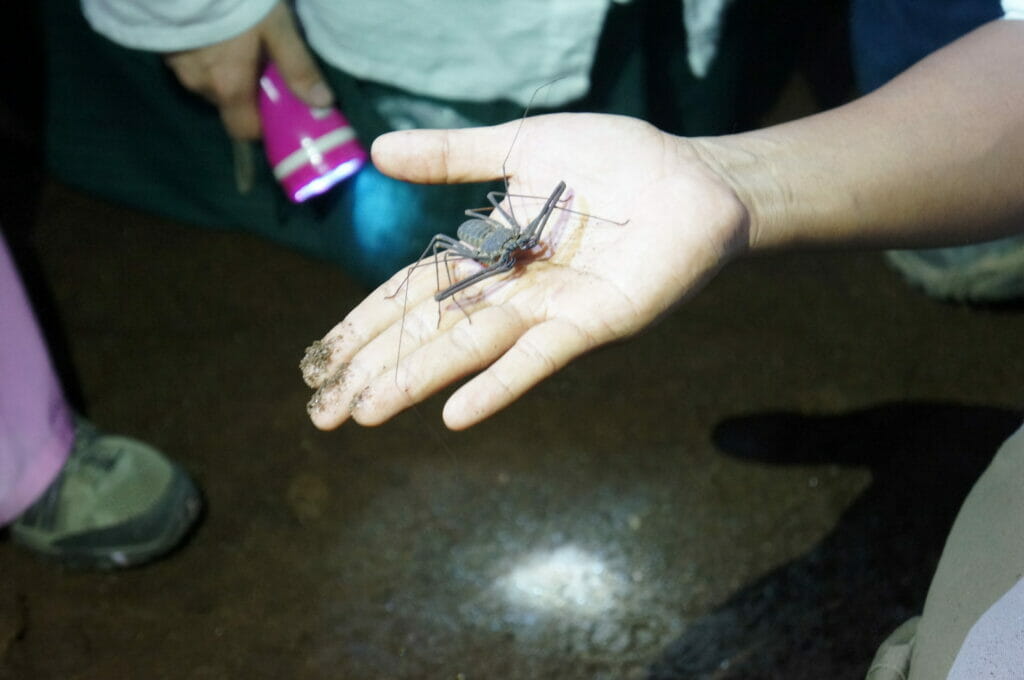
x=489, y=239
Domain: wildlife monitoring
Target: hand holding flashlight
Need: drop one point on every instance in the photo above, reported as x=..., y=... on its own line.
x=226, y=73
x=309, y=148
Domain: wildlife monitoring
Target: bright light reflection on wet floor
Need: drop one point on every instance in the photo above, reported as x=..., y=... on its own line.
x=567, y=580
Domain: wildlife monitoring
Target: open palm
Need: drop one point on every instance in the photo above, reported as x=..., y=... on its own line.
x=642, y=224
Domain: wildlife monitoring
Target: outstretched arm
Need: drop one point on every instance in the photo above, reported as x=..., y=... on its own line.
x=936, y=157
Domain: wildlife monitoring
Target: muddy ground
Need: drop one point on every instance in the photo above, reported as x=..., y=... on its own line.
x=756, y=488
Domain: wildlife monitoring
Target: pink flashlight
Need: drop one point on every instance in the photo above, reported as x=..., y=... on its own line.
x=310, y=149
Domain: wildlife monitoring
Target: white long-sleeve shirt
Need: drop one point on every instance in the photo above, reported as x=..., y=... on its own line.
x=456, y=49
x=451, y=49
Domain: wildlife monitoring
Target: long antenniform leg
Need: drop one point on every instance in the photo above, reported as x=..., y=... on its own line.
x=439, y=243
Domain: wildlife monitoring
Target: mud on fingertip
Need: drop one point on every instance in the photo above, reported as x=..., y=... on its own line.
x=316, y=360
x=328, y=396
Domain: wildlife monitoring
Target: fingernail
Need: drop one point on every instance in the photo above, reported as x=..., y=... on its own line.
x=320, y=95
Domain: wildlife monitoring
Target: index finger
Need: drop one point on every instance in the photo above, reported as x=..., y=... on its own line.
x=366, y=321
x=232, y=88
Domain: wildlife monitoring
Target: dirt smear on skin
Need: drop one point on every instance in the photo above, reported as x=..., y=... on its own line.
x=316, y=360
x=329, y=393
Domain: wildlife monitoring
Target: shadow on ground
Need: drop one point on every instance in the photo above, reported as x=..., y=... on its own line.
x=823, y=614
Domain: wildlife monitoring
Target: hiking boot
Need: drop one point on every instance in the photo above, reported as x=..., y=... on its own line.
x=117, y=502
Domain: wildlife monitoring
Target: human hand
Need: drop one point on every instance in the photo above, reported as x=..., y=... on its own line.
x=593, y=280
x=227, y=73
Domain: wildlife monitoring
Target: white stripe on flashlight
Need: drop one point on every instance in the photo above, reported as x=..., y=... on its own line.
x=313, y=151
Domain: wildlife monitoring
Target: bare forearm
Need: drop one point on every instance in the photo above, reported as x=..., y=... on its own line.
x=935, y=157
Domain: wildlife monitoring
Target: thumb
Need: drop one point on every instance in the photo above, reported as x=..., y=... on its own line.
x=288, y=50
x=444, y=156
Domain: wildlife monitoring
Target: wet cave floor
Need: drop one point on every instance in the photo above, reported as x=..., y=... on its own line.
x=757, y=487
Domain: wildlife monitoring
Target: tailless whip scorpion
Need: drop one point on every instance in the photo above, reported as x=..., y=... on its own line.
x=489, y=242
x=494, y=244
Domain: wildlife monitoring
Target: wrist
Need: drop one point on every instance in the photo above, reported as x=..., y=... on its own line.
x=741, y=163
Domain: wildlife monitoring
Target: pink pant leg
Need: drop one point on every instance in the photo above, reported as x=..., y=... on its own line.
x=36, y=423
